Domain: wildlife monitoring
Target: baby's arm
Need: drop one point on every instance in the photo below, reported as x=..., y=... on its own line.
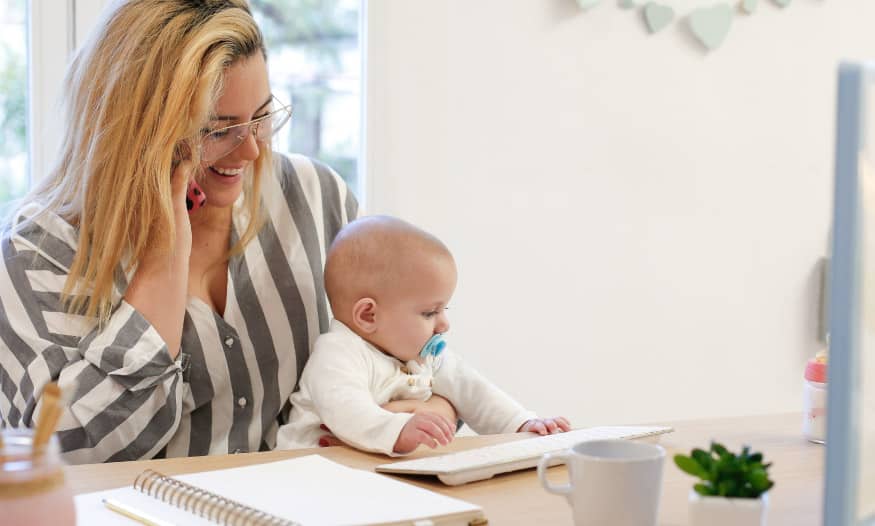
x=480, y=404
x=337, y=380
x=431, y=435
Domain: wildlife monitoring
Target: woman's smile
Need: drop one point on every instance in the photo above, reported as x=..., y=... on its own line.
x=227, y=176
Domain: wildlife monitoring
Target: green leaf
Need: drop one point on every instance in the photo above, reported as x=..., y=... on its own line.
x=704, y=489
x=723, y=488
x=733, y=488
x=703, y=458
x=759, y=481
x=725, y=473
x=719, y=449
x=689, y=465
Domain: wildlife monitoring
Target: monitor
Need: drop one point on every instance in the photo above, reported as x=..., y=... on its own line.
x=849, y=492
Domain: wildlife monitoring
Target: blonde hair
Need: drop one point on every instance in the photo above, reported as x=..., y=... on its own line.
x=144, y=85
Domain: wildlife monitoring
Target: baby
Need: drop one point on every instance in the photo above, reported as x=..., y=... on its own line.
x=389, y=284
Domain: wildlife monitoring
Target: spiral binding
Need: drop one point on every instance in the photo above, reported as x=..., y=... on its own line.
x=203, y=503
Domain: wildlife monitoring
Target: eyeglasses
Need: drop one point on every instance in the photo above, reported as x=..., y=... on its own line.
x=216, y=144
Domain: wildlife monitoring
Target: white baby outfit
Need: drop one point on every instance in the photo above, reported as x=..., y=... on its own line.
x=347, y=379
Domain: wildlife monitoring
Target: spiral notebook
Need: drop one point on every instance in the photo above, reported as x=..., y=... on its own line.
x=310, y=490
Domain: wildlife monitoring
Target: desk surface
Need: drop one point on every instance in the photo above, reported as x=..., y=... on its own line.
x=517, y=498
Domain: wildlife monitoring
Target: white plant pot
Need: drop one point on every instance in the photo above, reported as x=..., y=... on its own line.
x=722, y=511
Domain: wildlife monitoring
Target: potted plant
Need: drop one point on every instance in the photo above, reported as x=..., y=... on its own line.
x=733, y=490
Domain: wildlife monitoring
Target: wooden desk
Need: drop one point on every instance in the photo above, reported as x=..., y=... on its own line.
x=517, y=498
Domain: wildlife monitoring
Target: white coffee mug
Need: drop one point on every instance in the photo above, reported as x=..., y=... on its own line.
x=611, y=482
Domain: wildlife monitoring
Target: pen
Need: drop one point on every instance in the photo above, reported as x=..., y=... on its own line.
x=131, y=513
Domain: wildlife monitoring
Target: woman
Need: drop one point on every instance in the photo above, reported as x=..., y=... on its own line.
x=172, y=333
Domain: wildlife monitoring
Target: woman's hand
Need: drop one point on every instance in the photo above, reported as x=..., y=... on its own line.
x=159, y=287
x=403, y=406
x=436, y=404
x=328, y=439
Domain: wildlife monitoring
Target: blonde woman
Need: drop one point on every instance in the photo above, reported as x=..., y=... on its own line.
x=172, y=332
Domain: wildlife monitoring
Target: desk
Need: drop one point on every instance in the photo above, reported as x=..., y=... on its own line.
x=517, y=498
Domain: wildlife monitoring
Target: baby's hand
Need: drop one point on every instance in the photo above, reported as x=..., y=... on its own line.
x=545, y=426
x=424, y=428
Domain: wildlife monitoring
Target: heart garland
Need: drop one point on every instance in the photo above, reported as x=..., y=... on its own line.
x=657, y=16
x=709, y=25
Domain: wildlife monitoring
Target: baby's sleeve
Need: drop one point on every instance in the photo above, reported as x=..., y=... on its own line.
x=480, y=404
x=337, y=379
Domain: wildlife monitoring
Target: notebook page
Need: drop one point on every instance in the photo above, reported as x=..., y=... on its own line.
x=308, y=490
x=91, y=511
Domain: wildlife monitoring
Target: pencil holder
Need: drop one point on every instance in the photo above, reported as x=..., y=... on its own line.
x=33, y=490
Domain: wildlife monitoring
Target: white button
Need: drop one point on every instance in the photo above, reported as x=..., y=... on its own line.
x=229, y=341
x=241, y=401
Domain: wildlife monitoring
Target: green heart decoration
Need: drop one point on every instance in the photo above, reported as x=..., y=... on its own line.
x=586, y=4
x=657, y=16
x=710, y=25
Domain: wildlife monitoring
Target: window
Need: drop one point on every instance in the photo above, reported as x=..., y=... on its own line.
x=314, y=60
x=13, y=101
x=313, y=56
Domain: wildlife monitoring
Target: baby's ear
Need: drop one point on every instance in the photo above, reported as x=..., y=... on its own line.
x=364, y=315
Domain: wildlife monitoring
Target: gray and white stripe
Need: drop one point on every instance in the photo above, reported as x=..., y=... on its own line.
x=229, y=388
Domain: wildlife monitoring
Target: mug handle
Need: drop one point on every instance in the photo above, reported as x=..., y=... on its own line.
x=543, y=464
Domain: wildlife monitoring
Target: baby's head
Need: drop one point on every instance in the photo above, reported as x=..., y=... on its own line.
x=390, y=283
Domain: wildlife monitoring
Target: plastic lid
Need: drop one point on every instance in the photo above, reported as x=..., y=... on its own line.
x=815, y=371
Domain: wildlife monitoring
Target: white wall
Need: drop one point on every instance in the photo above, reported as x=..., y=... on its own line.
x=637, y=223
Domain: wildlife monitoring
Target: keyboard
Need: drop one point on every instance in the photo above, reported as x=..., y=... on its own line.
x=485, y=462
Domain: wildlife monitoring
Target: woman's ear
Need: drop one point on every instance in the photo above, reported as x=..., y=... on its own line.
x=364, y=315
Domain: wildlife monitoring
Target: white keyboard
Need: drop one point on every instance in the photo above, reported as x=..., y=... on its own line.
x=482, y=463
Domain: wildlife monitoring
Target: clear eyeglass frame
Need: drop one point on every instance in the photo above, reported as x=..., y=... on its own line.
x=218, y=143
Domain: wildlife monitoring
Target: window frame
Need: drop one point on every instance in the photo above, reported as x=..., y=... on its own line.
x=55, y=29
x=49, y=33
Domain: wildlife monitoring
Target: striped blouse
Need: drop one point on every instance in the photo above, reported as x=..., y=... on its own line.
x=228, y=389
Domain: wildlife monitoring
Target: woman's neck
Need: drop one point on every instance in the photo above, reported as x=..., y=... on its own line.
x=211, y=218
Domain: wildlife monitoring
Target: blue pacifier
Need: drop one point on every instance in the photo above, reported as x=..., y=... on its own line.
x=434, y=346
